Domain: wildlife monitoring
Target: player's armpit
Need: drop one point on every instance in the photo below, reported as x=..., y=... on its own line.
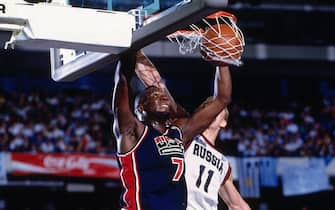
x=130, y=135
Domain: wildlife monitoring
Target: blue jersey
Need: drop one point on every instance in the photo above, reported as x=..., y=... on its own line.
x=152, y=173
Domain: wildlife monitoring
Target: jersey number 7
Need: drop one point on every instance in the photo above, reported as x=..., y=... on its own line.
x=180, y=168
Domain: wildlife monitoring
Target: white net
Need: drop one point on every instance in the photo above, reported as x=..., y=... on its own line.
x=221, y=48
x=217, y=47
x=188, y=41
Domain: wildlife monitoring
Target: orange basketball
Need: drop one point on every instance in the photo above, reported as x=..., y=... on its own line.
x=221, y=40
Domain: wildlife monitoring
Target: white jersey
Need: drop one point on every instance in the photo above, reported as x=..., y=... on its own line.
x=206, y=170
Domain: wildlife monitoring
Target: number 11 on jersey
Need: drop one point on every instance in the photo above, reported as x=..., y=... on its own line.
x=208, y=179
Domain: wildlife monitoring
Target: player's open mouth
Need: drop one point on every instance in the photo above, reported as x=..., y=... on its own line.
x=165, y=105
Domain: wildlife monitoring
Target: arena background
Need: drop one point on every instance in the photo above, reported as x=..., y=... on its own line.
x=289, y=66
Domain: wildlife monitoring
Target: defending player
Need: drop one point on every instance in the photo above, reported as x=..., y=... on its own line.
x=151, y=151
x=208, y=172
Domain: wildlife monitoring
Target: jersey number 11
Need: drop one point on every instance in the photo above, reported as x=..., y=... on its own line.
x=208, y=180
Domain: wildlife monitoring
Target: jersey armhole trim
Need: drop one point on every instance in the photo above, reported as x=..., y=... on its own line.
x=144, y=134
x=179, y=130
x=188, y=144
x=227, y=175
x=174, y=127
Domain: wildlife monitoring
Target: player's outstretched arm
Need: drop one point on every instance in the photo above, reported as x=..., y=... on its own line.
x=149, y=75
x=232, y=197
x=201, y=119
x=147, y=71
x=126, y=127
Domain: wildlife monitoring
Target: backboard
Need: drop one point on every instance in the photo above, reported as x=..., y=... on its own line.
x=157, y=19
x=151, y=6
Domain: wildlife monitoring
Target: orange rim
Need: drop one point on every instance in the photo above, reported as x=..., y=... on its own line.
x=182, y=32
x=222, y=14
x=212, y=16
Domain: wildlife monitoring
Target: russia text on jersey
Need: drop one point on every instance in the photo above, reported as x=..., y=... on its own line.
x=207, y=155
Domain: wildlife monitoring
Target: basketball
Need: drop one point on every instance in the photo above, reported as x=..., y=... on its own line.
x=222, y=41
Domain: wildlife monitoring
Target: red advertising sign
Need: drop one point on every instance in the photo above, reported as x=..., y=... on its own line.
x=78, y=165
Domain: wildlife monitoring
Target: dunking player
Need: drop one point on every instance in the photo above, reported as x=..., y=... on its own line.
x=207, y=171
x=151, y=152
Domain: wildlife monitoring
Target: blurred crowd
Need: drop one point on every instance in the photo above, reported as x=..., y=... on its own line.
x=46, y=122
x=296, y=130
x=80, y=121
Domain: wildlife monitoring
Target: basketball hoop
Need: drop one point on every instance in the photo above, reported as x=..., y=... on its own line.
x=225, y=51
x=187, y=40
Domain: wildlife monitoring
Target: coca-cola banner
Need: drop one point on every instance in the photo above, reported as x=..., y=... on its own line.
x=82, y=165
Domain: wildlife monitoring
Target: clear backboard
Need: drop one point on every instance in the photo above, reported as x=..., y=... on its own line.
x=87, y=35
